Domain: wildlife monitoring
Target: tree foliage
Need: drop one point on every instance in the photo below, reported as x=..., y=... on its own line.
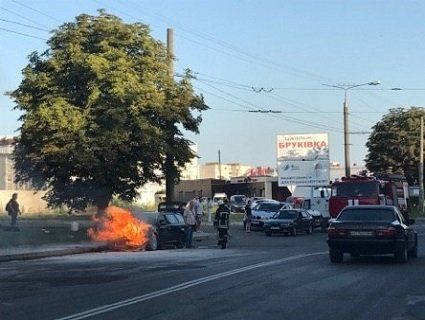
x=95, y=105
x=394, y=143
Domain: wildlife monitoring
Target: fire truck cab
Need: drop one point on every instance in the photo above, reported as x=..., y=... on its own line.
x=387, y=189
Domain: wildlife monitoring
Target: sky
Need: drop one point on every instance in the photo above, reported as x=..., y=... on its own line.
x=256, y=55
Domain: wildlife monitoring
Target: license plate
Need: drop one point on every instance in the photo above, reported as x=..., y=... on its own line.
x=275, y=228
x=361, y=233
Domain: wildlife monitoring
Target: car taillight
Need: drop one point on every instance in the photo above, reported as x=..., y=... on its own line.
x=335, y=232
x=389, y=232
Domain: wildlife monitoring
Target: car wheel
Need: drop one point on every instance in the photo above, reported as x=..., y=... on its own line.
x=413, y=253
x=336, y=256
x=153, y=243
x=401, y=254
x=180, y=244
x=268, y=233
x=294, y=231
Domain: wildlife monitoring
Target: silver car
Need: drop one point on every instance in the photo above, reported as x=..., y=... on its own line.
x=265, y=210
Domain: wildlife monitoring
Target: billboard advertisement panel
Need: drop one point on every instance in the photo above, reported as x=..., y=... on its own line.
x=303, y=173
x=312, y=147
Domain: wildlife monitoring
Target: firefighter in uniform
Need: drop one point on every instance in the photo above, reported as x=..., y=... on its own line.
x=221, y=222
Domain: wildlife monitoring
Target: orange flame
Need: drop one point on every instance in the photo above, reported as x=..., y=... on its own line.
x=119, y=228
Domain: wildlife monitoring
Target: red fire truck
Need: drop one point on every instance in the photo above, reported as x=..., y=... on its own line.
x=390, y=189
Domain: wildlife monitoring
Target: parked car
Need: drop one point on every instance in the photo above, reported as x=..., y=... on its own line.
x=257, y=200
x=237, y=203
x=264, y=211
x=289, y=221
x=176, y=206
x=168, y=229
x=367, y=229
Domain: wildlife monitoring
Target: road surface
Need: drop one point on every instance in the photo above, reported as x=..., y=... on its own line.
x=257, y=277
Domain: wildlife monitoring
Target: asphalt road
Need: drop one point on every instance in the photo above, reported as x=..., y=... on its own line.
x=257, y=277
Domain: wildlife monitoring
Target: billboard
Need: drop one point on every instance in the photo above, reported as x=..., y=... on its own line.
x=303, y=159
x=303, y=147
x=303, y=173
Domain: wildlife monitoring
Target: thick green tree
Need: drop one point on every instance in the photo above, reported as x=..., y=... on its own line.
x=99, y=110
x=394, y=143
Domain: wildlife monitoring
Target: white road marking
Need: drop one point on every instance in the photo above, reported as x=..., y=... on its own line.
x=179, y=287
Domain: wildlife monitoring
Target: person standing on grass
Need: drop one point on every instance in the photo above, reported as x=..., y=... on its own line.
x=248, y=216
x=12, y=209
x=190, y=221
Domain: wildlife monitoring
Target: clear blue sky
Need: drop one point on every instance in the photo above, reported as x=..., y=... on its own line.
x=262, y=44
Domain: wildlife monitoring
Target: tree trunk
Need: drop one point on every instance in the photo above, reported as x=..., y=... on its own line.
x=169, y=177
x=102, y=202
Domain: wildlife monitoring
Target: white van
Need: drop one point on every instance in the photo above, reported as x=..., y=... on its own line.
x=219, y=196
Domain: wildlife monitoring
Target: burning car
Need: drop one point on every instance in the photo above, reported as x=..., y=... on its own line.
x=123, y=230
x=168, y=229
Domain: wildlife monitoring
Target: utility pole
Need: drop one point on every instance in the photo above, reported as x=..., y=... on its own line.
x=347, y=87
x=219, y=163
x=170, y=172
x=346, y=137
x=170, y=50
x=421, y=169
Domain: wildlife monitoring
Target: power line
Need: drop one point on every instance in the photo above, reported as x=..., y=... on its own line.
x=35, y=10
x=24, y=25
x=23, y=17
x=304, y=112
x=23, y=34
x=242, y=52
x=245, y=87
x=296, y=104
x=229, y=83
x=286, y=118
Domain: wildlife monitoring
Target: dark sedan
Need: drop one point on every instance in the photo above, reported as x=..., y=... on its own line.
x=169, y=229
x=372, y=230
x=176, y=206
x=290, y=221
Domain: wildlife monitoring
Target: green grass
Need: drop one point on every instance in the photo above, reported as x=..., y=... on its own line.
x=415, y=213
x=34, y=236
x=236, y=217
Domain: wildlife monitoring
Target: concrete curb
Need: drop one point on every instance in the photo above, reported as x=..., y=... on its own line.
x=50, y=253
x=75, y=250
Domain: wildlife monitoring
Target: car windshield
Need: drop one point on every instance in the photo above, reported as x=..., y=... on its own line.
x=286, y=214
x=268, y=207
x=238, y=199
x=363, y=214
x=171, y=218
x=356, y=189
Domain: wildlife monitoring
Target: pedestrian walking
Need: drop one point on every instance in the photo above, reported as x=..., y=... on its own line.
x=12, y=209
x=248, y=216
x=190, y=221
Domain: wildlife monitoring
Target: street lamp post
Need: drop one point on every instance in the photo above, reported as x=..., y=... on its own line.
x=347, y=87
